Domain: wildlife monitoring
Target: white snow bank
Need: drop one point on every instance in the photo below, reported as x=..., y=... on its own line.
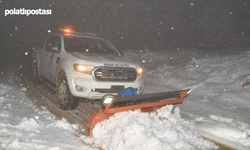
x=221, y=119
x=25, y=127
x=163, y=129
x=231, y=135
x=219, y=80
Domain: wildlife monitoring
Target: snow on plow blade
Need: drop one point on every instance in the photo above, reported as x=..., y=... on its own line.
x=146, y=102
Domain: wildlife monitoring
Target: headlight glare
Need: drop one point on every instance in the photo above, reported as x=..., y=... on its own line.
x=139, y=70
x=83, y=68
x=107, y=100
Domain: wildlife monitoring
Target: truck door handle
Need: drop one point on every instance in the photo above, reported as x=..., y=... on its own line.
x=57, y=59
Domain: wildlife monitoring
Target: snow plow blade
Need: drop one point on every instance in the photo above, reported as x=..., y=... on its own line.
x=146, y=102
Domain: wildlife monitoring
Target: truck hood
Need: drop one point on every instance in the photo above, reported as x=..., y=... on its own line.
x=108, y=60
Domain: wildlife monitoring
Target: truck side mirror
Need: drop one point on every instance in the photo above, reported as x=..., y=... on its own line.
x=52, y=48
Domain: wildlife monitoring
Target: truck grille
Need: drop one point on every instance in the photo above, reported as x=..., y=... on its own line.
x=115, y=74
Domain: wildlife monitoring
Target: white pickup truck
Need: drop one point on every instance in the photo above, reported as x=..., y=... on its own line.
x=83, y=66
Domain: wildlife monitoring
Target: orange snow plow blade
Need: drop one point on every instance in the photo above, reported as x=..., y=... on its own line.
x=146, y=102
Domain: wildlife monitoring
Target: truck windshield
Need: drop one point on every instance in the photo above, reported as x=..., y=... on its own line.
x=88, y=45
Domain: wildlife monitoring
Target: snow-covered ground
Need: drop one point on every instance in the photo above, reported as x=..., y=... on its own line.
x=218, y=107
x=23, y=126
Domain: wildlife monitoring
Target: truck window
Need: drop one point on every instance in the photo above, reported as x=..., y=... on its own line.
x=53, y=44
x=88, y=45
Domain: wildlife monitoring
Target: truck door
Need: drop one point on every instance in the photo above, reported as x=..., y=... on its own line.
x=53, y=49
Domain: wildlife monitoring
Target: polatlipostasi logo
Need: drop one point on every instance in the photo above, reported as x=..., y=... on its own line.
x=27, y=12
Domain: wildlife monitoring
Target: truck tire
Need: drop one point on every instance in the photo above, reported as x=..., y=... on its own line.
x=65, y=100
x=35, y=74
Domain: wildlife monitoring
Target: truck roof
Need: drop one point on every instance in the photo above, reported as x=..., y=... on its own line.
x=77, y=34
x=82, y=35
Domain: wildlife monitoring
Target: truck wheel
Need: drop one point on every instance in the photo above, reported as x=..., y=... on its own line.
x=35, y=74
x=65, y=99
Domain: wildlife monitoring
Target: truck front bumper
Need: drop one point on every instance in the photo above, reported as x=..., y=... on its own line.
x=84, y=86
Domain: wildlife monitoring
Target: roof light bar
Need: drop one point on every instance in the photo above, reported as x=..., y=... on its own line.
x=66, y=30
x=69, y=31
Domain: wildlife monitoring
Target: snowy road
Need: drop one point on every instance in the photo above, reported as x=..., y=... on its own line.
x=43, y=96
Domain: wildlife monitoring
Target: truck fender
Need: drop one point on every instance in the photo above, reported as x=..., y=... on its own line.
x=64, y=66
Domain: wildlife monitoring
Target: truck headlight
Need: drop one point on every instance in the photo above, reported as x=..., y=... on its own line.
x=83, y=68
x=139, y=70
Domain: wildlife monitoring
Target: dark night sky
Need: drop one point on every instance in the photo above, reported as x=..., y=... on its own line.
x=154, y=24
